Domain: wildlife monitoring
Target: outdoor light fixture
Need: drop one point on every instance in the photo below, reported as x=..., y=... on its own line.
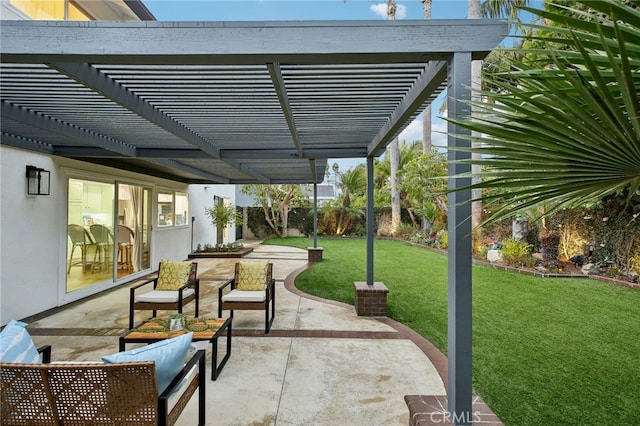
x=37, y=181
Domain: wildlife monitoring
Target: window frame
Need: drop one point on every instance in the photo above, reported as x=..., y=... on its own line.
x=168, y=201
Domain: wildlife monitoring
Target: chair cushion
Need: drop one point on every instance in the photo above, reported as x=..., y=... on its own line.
x=252, y=275
x=169, y=356
x=173, y=274
x=245, y=296
x=16, y=344
x=163, y=296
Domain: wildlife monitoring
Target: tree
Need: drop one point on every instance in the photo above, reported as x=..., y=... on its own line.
x=568, y=133
x=426, y=114
x=424, y=187
x=276, y=202
x=476, y=10
x=352, y=182
x=222, y=216
x=393, y=157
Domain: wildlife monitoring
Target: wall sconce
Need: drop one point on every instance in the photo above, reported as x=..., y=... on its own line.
x=38, y=181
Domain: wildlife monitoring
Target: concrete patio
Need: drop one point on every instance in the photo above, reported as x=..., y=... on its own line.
x=321, y=364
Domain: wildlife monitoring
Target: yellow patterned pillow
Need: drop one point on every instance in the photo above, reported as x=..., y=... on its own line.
x=252, y=276
x=173, y=274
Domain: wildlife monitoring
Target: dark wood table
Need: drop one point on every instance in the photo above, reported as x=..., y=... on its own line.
x=215, y=327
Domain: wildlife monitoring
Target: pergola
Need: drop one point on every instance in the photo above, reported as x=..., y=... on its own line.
x=248, y=102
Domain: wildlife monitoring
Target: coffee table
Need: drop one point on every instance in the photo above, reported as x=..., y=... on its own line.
x=215, y=327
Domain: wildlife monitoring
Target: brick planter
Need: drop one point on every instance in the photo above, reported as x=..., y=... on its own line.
x=221, y=254
x=371, y=300
x=315, y=254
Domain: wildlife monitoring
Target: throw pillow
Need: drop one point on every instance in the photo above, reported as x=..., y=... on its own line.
x=173, y=274
x=16, y=344
x=252, y=276
x=169, y=356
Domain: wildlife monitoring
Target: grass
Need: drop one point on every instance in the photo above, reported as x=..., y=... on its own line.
x=545, y=351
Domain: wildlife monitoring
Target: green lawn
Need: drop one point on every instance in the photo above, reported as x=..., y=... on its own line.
x=545, y=351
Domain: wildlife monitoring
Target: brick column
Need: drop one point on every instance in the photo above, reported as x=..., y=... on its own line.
x=315, y=254
x=371, y=300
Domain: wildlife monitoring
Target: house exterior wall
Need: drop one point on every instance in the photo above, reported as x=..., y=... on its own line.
x=30, y=229
x=200, y=198
x=33, y=237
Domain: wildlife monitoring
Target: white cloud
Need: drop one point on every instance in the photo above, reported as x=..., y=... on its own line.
x=401, y=11
x=413, y=132
x=380, y=9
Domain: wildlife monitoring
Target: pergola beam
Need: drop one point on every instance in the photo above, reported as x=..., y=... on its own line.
x=283, y=98
x=40, y=121
x=427, y=86
x=309, y=42
x=94, y=79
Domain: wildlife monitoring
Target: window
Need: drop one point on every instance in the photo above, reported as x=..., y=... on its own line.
x=173, y=208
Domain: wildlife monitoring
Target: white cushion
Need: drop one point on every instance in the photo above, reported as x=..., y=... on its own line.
x=175, y=396
x=244, y=296
x=163, y=296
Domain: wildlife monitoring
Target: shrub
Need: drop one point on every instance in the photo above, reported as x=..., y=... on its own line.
x=443, y=239
x=516, y=252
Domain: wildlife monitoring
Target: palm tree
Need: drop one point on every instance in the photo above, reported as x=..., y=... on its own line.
x=426, y=114
x=476, y=10
x=394, y=156
x=567, y=131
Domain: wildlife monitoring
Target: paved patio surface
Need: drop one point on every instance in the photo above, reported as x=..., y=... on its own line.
x=321, y=364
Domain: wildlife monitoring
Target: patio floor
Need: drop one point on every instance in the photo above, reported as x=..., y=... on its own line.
x=321, y=364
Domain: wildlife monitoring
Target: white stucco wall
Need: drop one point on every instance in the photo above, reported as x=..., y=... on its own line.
x=29, y=237
x=33, y=235
x=200, y=198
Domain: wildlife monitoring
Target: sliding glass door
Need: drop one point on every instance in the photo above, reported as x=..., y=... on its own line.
x=134, y=218
x=106, y=239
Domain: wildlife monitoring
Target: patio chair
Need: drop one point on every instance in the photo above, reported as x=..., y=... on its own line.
x=104, y=243
x=175, y=286
x=82, y=239
x=125, y=247
x=251, y=288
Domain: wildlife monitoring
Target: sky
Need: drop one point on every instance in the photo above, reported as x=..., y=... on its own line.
x=278, y=10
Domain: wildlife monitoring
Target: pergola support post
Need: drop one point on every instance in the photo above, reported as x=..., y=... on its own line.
x=314, y=254
x=370, y=221
x=370, y=297
x=459, y=252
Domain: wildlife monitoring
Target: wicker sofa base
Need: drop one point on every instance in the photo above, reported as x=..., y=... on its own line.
x=97, y=393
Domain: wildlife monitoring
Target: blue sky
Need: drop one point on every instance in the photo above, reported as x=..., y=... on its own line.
x=274, y=10
x=269, y=10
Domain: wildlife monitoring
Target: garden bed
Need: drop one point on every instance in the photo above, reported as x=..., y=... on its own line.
x=221, y=254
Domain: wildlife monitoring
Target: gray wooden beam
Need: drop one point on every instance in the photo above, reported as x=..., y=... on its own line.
x=370, y=220
x=24, y=143
x=94, y=79
x=248, y=170
x=192, y=170
x=312, y=42
x=281, y=91
x=86, y=137
x=459, y=251
x=426, y=86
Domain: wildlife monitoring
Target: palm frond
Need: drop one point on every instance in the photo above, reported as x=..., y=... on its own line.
x=563, y=127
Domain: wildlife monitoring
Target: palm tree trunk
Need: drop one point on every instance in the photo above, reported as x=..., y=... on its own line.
x=474, y=12
x=395, y=194
x=426, y=114
x=394, y=156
